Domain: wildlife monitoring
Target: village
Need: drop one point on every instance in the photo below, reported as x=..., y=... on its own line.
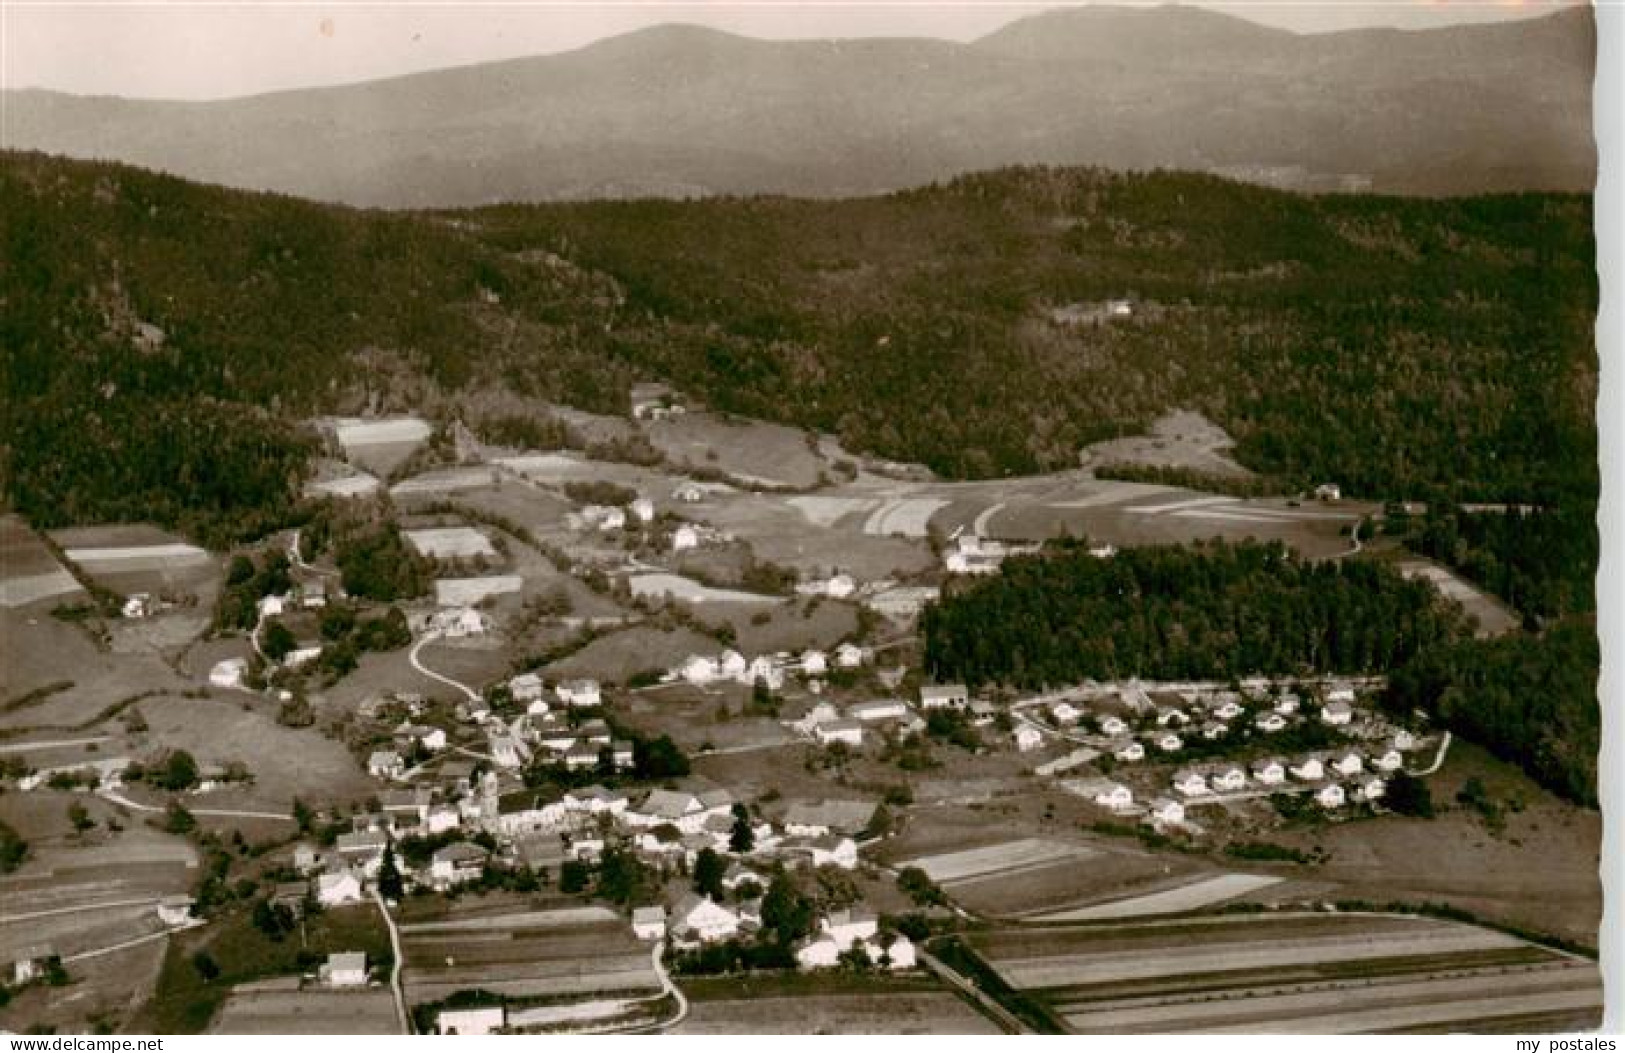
x=659, y=724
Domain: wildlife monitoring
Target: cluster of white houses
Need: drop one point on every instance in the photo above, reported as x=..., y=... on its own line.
x=731, y=666
x=1134, y=724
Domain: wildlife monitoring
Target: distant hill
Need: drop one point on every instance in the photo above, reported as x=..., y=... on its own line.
x=162, y=340
x=679, y=111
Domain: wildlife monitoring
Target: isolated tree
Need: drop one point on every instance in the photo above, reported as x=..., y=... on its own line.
x=205, y=965
x=742, y=838
x=177, y=820
x=178, y=771
x=1409, y=795
x=278, y=641
x=390, y=883
x=919, y=887
x=708, y=870
x=79, y=818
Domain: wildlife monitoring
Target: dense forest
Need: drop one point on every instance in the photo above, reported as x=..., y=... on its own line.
x=1209, y=611
x=1543, y=562
x=163, y=339
x=1531, y=699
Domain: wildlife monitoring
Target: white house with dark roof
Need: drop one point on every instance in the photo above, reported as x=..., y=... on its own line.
x=1331, y=796
x=696, y=919
x=1336, y=714
x=1309, y=769
x=385, y=764
x=849, y=732
x=580, y=693
x=944, y=696
x=1269, y=771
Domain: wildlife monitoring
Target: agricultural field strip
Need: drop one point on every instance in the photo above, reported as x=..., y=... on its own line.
x=529, y=966
x=1062, y=970
x=353, y=433
x=19, y=592
x=535, y=919
x=444, y=481
x=908, y=516
x=439, y=542
x=993, y=859
x=825, y=512
x=115, y=557
x=1195, y=987
x=1204, y=929
x=1470, y=1013
x=1177, y=506
x=422, y=989
x=1238, y=1005
x=1231, y=517
x=1192, y=896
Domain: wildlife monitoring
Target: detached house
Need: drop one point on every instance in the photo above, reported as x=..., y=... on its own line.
x=1167, y=810
x=944, y=696
x=580, y=693
x=1331, y=796
x=1269, y=772
x=1309, y=769
x=385, y=764
x=1336, y=714
x=696, y=919
x=1191, y=783
x=456, y=864
x=1228, y=778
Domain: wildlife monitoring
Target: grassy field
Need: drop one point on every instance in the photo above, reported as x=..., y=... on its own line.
x=42, y=651
x=279, y=1008
x=1538, y=872
x=186, y=1003
x=618, y=656
x=827, y=1005
x=286, y=762
x=29, y=571
x=1288, y=973
x=523, y=952
x=751, y=451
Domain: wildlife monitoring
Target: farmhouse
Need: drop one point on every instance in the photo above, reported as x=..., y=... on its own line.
x=456, y=864
x=526, y=687
x=699, y=670
x=1370, y=788
x=1330, y=796
x=828, y=850
x=175, y=910
x=685, y=538
x=481, y=1021
x=1288, y=704
x=305, y=858
x=1168, y=742
x=228, y=673
x=506, y=751
x=1269, y=722
x=271, y=606
x=649, y=923
x=335, y=890
x=385, y=764
x=850, y=656
x=1167, y=810
x=1065, y=713
x=301, y=656
x=346, y=969
x=1028, y=738
x=1103, y=792
x=733, y=666
x=697, y=919
x=458, y=623
x=603, y=517
x=1403, y=740
x=849, y=732
x=31, y=961
x=876, y=712
x=1228, y=778
x=1389, y=760
x=527, y=811
x=815, y=819
x=940, y=696
x=580, y=693
x=1328, y=492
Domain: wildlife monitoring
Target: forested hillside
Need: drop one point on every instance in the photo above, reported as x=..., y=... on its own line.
x=1400, y=347
x=1161, y=613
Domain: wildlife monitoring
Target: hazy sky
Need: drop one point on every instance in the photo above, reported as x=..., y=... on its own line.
x=203, y=49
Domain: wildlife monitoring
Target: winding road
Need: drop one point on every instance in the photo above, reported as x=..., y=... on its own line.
x=114, y=797
x=417, y=663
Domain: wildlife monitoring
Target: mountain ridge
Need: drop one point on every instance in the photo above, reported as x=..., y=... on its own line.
x=681, y=110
